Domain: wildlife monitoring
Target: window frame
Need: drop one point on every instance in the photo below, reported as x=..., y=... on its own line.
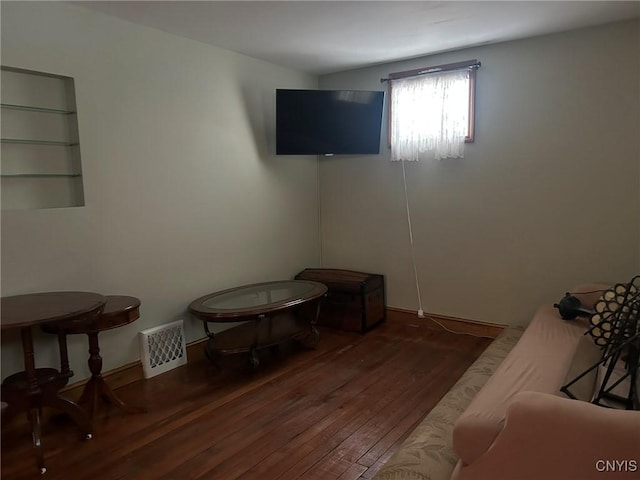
x=471, y=65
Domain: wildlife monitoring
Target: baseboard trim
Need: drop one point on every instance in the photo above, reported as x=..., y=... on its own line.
x=129, y=373
x=116, y=378
x=445, y=322
x=132, y=372
x=195, y=350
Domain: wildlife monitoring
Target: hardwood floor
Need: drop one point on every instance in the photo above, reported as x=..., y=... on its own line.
x=337, y=412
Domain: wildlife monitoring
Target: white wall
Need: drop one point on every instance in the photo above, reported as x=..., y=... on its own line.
x=547, y=197
x=184, y=195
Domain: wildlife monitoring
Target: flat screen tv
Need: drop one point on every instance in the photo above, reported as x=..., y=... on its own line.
x=328, y=122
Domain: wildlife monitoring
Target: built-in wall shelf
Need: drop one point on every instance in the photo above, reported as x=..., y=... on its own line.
x=39, y=175
x=29, y=108
x=51, y=143
x=40, y=142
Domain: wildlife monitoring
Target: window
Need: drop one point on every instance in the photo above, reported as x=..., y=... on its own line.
x=432, y=110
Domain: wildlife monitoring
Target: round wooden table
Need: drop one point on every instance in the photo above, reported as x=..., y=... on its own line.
x=34, y=388
x=119, y=310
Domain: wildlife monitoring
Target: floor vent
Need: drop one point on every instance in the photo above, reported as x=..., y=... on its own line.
x=163, y=348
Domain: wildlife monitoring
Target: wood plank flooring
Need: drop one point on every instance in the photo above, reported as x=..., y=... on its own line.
x=336, y=412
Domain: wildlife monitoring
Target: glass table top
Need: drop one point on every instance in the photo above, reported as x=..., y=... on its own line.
x=259, y=297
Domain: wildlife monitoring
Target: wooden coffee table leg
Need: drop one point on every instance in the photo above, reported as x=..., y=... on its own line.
x=313, y=336
x=97, y=387
x=254, y=359
x=311, y=339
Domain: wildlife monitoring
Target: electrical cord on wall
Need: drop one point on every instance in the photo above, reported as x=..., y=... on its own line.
x=319, y=209
x=421, y=313
x=584, y=293
x=485, y=336
x=453, y=331
x=413, y=255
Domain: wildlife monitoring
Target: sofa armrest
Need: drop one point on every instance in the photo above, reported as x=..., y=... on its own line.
x=554, y=438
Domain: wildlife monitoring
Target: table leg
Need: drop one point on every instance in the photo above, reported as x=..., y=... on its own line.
x=71, y=409
x=313, y=336
x=97, y=387
x=33, y=413
x=254, y=359
x=29, y=360
x=36, y=432
x=65, y=371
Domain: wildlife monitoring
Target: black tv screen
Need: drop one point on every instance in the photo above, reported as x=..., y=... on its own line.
x=328, y=122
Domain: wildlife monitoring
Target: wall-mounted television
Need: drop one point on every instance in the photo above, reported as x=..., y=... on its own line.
x=328, y=122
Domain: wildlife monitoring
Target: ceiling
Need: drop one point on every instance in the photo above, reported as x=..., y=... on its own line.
x=322, y=37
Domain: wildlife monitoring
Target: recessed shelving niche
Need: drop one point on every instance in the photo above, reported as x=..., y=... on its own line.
x=40, y=144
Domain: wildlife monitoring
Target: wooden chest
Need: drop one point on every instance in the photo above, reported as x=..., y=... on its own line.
x=355, y=300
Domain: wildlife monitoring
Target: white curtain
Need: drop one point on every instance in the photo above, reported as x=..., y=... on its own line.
x=430, y=113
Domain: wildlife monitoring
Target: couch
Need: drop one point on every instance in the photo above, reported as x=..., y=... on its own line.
x=506, y=418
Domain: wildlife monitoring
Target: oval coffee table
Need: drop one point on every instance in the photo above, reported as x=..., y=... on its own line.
x=269, y=312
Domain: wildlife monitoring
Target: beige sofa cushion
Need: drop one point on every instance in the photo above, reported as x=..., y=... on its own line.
x=539, y=362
